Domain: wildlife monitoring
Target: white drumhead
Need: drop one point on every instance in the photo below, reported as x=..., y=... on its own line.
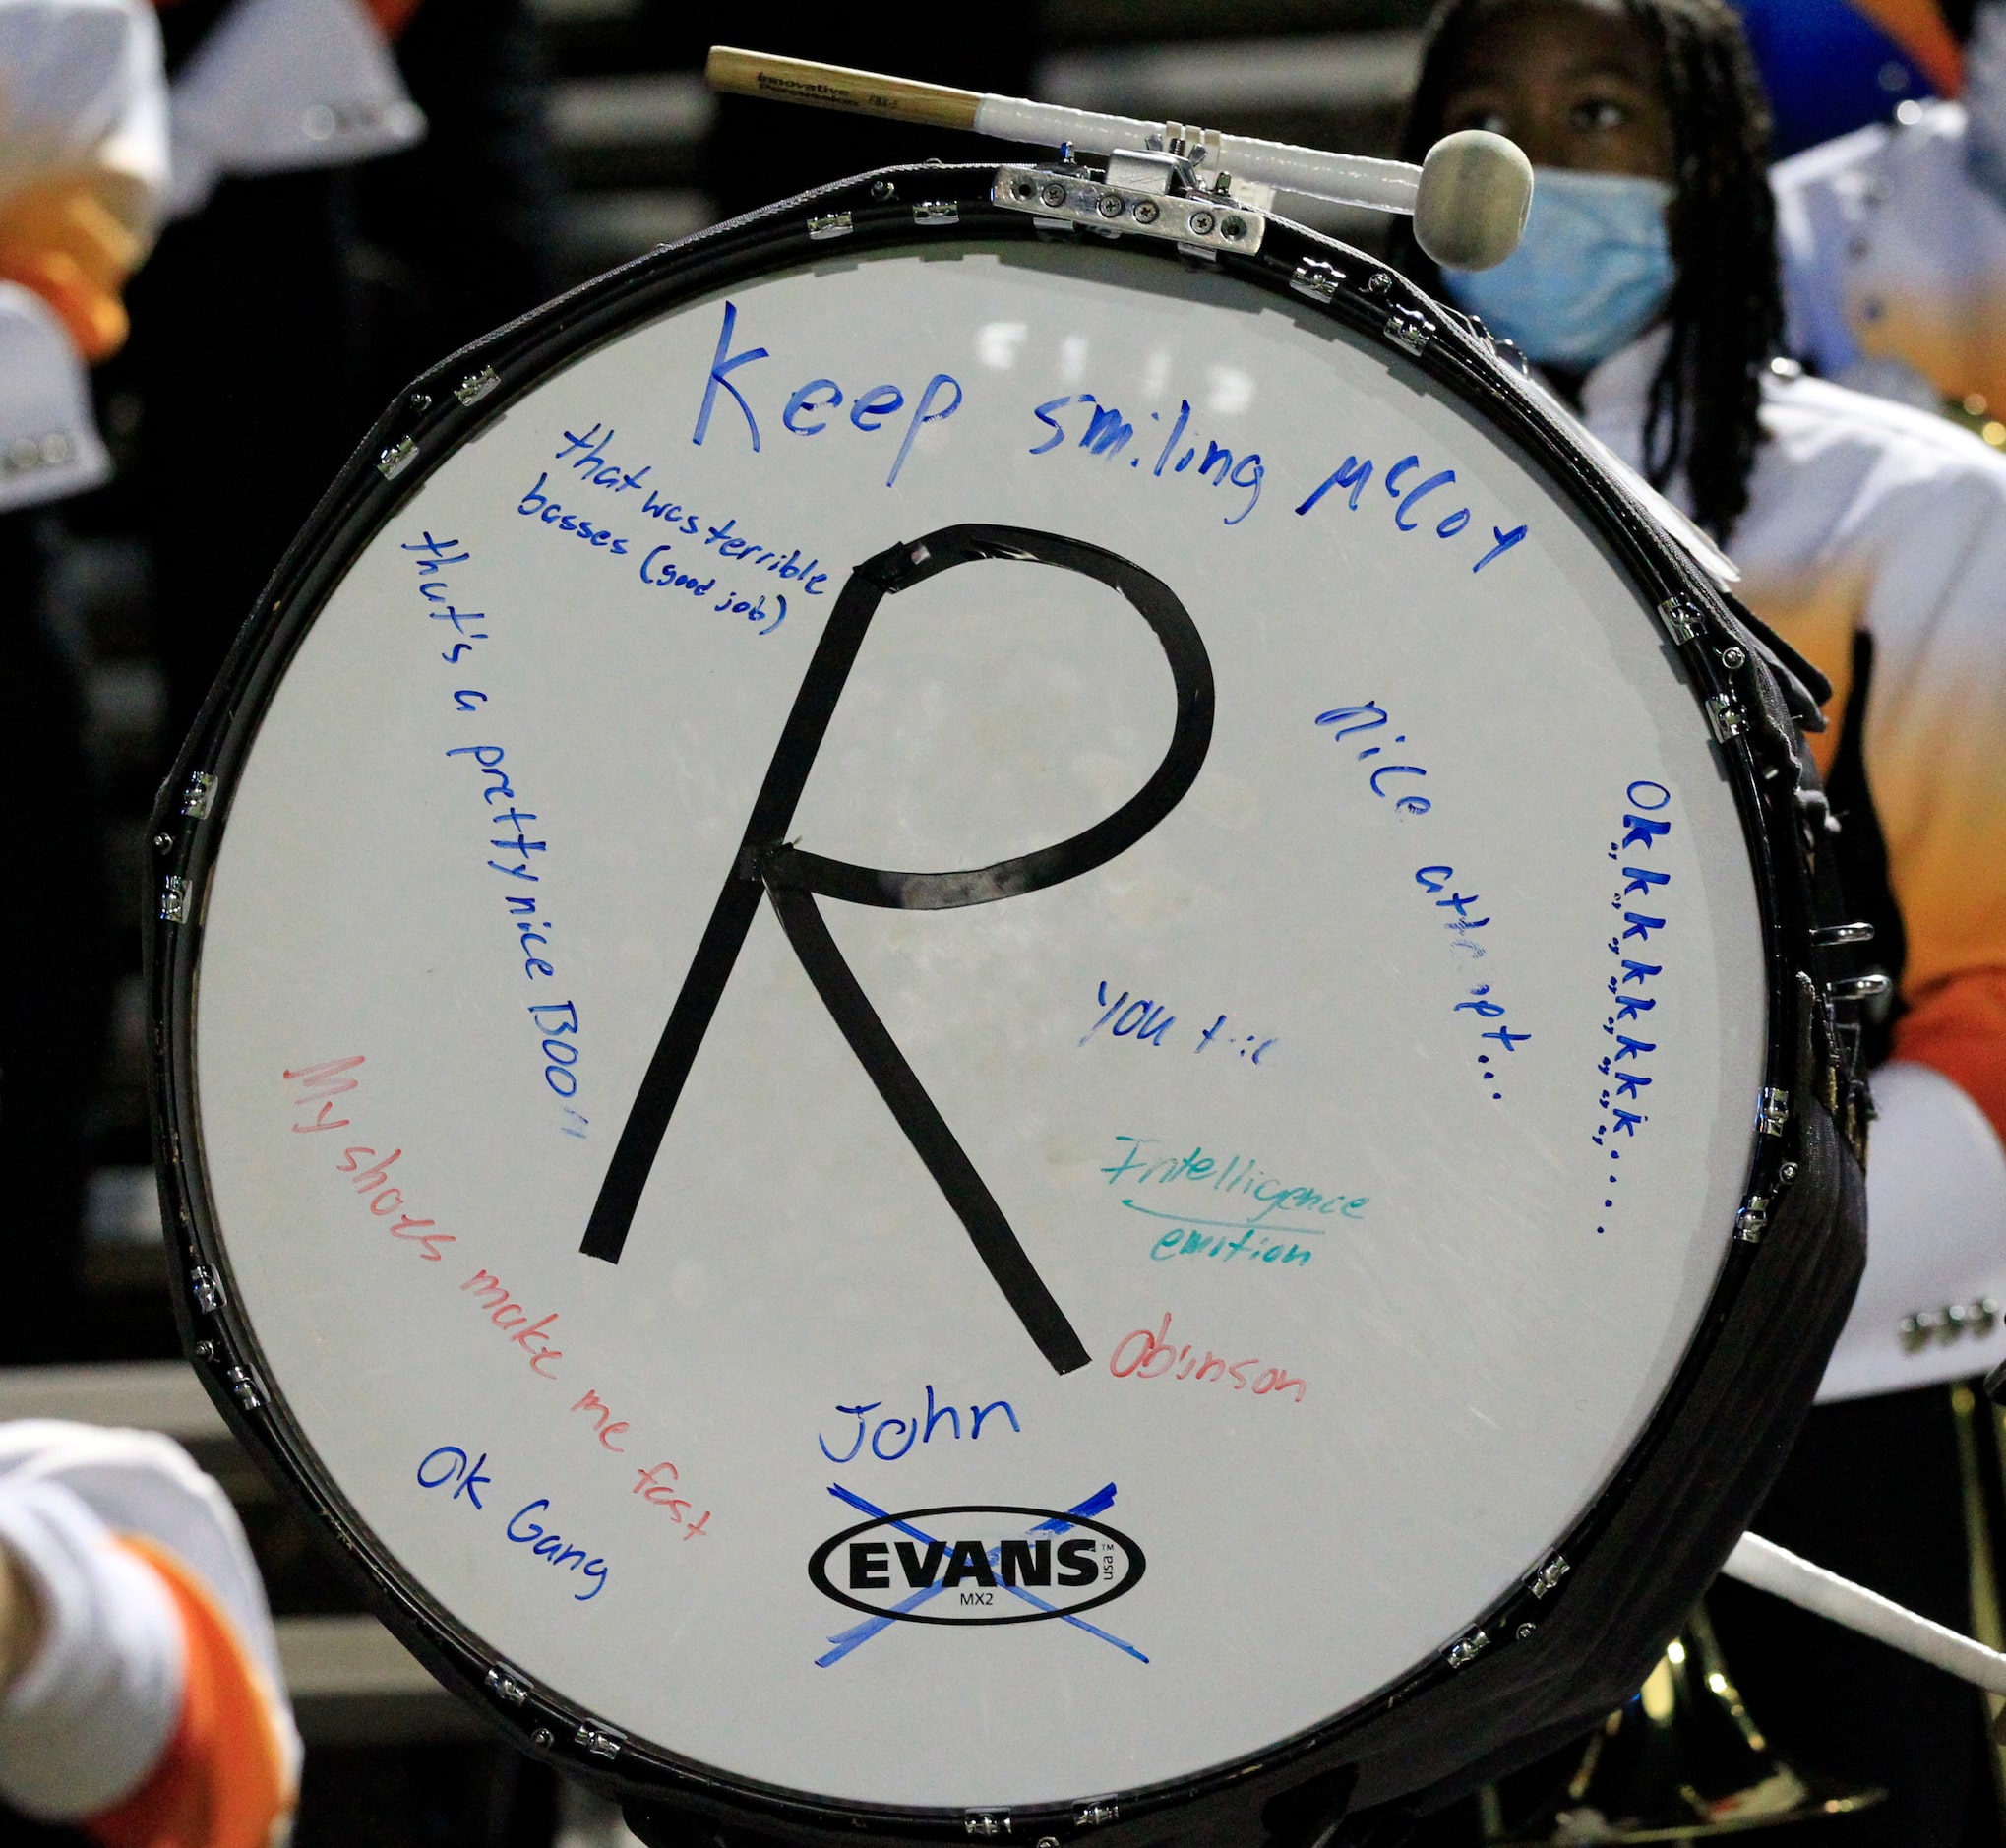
x=1374, y=1301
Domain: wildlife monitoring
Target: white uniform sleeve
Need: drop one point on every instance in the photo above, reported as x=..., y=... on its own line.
x=86, y=96
x=1936, y=1241
x=97, y=1705
x=138, y=1482
x=49, y=446
x=1814, y=208
x=1893, y=255
x=281, y=85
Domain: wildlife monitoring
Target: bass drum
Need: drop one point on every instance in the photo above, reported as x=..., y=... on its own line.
x=970, y=1031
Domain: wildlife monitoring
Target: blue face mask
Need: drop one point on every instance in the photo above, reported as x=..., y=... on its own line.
x=1593, y=270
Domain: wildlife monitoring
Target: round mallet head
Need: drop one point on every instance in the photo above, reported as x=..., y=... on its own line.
x=1476, y=189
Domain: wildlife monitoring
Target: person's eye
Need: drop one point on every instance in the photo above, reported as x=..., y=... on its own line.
x=1599, y=115
x=1491, y=119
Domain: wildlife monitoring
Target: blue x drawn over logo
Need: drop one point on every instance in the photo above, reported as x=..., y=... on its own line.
x=845, y=1640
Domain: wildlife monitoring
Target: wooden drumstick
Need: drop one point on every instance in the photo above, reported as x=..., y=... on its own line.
x=1768, y=1567
x=833, y=87
x=1469, y=199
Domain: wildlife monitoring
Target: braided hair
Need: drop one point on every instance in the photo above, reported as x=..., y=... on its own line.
x=1726, y=312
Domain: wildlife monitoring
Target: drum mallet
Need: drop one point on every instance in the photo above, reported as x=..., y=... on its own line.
x=1768, y=1567
x=1469, y=198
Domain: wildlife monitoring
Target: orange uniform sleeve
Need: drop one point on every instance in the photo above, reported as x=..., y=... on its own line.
x=223, y=1782
x=1958, y=1026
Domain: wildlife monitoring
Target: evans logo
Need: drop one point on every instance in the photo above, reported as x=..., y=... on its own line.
x=976, y=1565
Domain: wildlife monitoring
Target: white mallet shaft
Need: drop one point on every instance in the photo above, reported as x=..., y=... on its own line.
x=1347, y=179
x=1759, y=1562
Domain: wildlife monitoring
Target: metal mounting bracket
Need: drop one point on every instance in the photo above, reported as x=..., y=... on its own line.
x=1137, y=205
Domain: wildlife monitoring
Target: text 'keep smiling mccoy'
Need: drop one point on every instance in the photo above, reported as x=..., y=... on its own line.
x=762, y=398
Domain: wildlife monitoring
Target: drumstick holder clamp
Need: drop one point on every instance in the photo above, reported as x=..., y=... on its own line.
x=1158, y=193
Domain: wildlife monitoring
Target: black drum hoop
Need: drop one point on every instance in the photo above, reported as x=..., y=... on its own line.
x=1798, y=1279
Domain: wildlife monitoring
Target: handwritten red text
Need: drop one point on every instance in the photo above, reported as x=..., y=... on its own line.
x=372, y=1181
x=322, y=1083
x=592, y=1402
x=663, y=1495
x=378, y=1179
x=1145, y=1354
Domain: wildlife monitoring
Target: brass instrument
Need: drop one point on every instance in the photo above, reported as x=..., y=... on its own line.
x=1682, y=1759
